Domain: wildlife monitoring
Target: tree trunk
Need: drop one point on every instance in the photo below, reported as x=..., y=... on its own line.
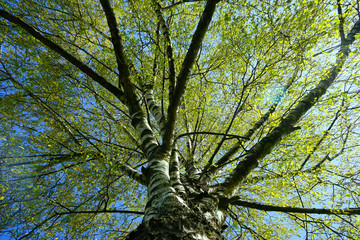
x=173, y=212
x=180, y=223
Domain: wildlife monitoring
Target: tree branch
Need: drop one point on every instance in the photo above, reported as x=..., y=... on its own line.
x=211, y=170
x=100, y=211
x=187, y=64
x=119, y=125
x=123, y=67
x=180, y=2
x=271, y=208
x=56, y=48
x=341, y=22
x=286, y=126
x=139, y=120
x=175, y=172
x=169, y=50
x=155, y=110
x=257, y=179
x=51, y=112
x=133, y=174
x=211, y=133
x=326, y=133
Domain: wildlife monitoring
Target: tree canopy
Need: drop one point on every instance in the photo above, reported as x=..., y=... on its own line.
x=255, y=101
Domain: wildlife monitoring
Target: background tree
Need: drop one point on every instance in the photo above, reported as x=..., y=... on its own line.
x=179, y=120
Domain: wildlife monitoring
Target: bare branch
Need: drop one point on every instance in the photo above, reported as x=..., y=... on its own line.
x=320, y=140
x=100, y=211
x=180, y=2
x=270, y=208
x=229, y=136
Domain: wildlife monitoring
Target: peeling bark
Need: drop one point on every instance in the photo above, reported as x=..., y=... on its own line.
x=194, y=216
x=175, y=209
x=178, y=225
x=175, y=173
x=155, y=110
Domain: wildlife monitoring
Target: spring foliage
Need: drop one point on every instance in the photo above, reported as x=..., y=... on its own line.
x=71, y=159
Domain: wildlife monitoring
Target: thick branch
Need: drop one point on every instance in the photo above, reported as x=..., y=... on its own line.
x=133, y=174
x=169, y=50
x=188, y=62
x=341, y=22
x=123, y=67
x=265, y=145
x=139, y=120
x=175, y=172
x=264, y=207
x=56, y=48
x=155, y=110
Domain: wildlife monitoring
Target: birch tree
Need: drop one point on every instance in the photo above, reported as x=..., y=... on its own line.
x=179, y=119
